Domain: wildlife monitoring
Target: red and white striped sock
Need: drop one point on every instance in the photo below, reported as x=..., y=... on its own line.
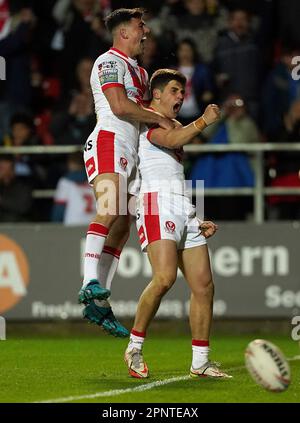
x=200, y=352
x=107, y=267
x=95, y=240
x=136, y=339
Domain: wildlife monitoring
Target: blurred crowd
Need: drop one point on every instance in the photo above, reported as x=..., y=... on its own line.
x=236, y=53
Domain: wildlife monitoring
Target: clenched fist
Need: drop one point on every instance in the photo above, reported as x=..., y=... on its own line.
x=211, y=114
x=208, y=228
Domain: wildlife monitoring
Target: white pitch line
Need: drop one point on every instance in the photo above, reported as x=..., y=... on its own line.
x=141, y=388
x=295, y=358
x=114, y=392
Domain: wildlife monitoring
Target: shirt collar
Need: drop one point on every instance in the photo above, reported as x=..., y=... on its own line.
x=119, y=53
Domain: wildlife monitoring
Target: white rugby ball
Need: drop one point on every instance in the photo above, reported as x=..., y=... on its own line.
x=267, y=365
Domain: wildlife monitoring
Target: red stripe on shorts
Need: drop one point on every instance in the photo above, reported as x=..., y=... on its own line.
x=106, y=152
x=151, y=211
x=142, y=235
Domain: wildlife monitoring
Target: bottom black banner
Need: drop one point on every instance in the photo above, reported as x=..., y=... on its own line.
x=139, y=412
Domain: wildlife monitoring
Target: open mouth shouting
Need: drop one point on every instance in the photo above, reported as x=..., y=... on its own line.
x=177, y=107
x=142, y=42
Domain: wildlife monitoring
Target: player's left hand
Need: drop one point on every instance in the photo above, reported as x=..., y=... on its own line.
x=208, y=228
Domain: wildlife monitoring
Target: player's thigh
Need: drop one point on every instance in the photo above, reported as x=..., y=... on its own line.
x=106, y=188
x=195, y=266
x=163, y=258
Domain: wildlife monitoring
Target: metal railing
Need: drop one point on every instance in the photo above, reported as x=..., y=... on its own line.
x=257, y=150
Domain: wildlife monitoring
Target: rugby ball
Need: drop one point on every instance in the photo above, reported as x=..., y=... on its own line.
x=267, y=365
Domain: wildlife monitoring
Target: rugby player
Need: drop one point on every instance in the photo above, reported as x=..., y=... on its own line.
x=168, y=227
x=120, y=88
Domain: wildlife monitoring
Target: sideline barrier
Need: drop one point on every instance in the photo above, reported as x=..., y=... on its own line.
x=257, y=150
x=256, y=272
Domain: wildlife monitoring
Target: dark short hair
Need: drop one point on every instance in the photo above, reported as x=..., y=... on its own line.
x=191, y=43
x=23, y=118
x=7, y=157
x=238, y=10
x=162, y=77
x=76, y=157
x=122, y=15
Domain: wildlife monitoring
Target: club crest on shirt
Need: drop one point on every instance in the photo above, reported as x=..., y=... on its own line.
x=123, y=163
x=170, y=227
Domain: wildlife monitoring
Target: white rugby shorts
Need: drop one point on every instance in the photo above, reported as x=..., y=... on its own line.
x=173, y=216
x=105, y=152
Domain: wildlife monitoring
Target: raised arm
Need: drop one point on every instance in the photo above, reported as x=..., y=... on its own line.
x=125, y=108
x=181, y=135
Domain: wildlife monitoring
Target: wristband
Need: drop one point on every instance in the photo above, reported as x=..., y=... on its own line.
x=200, y=123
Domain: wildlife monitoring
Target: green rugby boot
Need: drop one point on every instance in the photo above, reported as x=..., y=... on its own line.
x=105, y=318
x=93, y=290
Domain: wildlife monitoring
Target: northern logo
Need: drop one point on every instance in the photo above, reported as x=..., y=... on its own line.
x=14, y=273
x=170, y=226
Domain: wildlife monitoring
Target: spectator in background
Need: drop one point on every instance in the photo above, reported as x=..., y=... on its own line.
x=288, y=21
x=74, y=199
x=279, y=92
x=15, y=91
x=83, y=73
x=15, y=194
x=151, y=59
x=73, y=126
x=237, y=61
x=22, y=133
x=285, y=168
x=82, y=32
x=217, y=13
x=81, y=84
x=200, y=22
x=240, y=126
x=198, y=90
x=228, y=170
x=163, y=26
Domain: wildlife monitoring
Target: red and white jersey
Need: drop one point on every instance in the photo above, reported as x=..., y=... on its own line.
x=78, y=199
x=116, y=69
x=160, y=168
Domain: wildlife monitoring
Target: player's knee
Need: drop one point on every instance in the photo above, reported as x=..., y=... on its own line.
x=163, y=282
x=204, y=286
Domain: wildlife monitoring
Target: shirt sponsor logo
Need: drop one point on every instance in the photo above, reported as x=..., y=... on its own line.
x=92, y=255
x=14, y=273
x=108, y=77
x=111, y=64
x=90, y=166
x=108, y=72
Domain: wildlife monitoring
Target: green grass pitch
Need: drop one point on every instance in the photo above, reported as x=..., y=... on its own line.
x=49, y=368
